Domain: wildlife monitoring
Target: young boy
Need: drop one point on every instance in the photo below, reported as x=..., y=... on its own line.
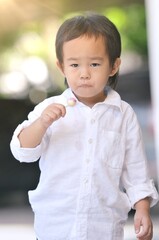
x=92, y=162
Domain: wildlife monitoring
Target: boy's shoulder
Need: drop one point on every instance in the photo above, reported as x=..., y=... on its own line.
x=114, y=98
x=127, y=111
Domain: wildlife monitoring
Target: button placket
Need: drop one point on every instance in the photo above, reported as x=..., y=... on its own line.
x=84, y=197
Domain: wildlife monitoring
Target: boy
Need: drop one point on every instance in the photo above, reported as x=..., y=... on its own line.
x=93, y=167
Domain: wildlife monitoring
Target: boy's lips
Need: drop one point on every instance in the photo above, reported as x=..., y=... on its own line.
x=85, y=86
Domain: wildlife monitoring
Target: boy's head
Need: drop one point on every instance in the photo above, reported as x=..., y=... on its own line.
x=91, y=25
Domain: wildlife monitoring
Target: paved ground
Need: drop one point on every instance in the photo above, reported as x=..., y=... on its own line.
x=17, y=224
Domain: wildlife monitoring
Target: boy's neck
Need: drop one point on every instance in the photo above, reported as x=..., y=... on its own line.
x=91, y=101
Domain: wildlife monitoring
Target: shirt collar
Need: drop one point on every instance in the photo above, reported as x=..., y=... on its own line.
x=112, y=99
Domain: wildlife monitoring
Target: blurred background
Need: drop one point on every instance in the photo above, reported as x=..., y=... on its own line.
x=28, y=75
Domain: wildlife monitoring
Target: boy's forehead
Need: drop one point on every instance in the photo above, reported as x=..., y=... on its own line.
x=84, y=47
x=85, y=40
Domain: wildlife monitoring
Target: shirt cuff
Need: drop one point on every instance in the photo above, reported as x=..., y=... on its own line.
x=136, y=193
x=23, y=154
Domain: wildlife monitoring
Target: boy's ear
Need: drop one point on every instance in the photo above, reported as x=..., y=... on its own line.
x=60, y=66
x=115, y=67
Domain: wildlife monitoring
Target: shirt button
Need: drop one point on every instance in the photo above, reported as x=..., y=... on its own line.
x=86, y=181
x=92, y=121
x=90, y=140
x=87, y=160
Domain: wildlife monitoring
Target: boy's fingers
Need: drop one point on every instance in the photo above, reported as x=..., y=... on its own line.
x=52, y=113
x=55, y=111
x=60, y=109
x=140, y=233
x=137, y=226
x=144, y=233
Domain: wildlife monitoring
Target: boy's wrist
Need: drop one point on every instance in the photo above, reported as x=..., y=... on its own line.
x=143, y=204
x=43, y=124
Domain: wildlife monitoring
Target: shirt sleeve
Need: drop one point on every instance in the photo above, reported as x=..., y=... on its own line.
x=135, y=178
x=28, y=154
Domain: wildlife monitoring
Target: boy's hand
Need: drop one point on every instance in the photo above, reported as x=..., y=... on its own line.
x=143, y=225
x=52, y=113
x=38, y=128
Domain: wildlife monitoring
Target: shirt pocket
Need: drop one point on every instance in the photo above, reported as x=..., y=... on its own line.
x=112, y=149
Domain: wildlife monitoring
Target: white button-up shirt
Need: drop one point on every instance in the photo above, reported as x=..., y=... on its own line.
x=93, y=170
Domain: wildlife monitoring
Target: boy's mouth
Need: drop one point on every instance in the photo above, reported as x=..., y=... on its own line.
x=85, y=86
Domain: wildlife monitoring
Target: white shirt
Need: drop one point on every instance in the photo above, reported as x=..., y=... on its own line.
x=93, y=170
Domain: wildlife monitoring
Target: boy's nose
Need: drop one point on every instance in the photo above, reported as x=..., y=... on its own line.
x=84, y=74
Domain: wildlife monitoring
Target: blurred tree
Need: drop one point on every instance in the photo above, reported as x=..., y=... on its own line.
x=131, y=22
x=35, y=37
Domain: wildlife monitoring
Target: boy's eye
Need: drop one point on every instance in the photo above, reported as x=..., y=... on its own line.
x=95, y=64
x=74, y=65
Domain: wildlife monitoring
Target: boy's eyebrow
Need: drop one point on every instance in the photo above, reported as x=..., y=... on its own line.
x=96, y=58
x=91, y=58
x=72, y=59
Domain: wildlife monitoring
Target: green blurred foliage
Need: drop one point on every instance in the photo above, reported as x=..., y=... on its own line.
x=24, y=42
x=29, y=39
x=131, y=22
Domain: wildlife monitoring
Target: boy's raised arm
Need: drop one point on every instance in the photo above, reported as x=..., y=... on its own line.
x=31, y=136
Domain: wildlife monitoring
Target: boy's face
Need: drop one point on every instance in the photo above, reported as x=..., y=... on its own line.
x=87, y=69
